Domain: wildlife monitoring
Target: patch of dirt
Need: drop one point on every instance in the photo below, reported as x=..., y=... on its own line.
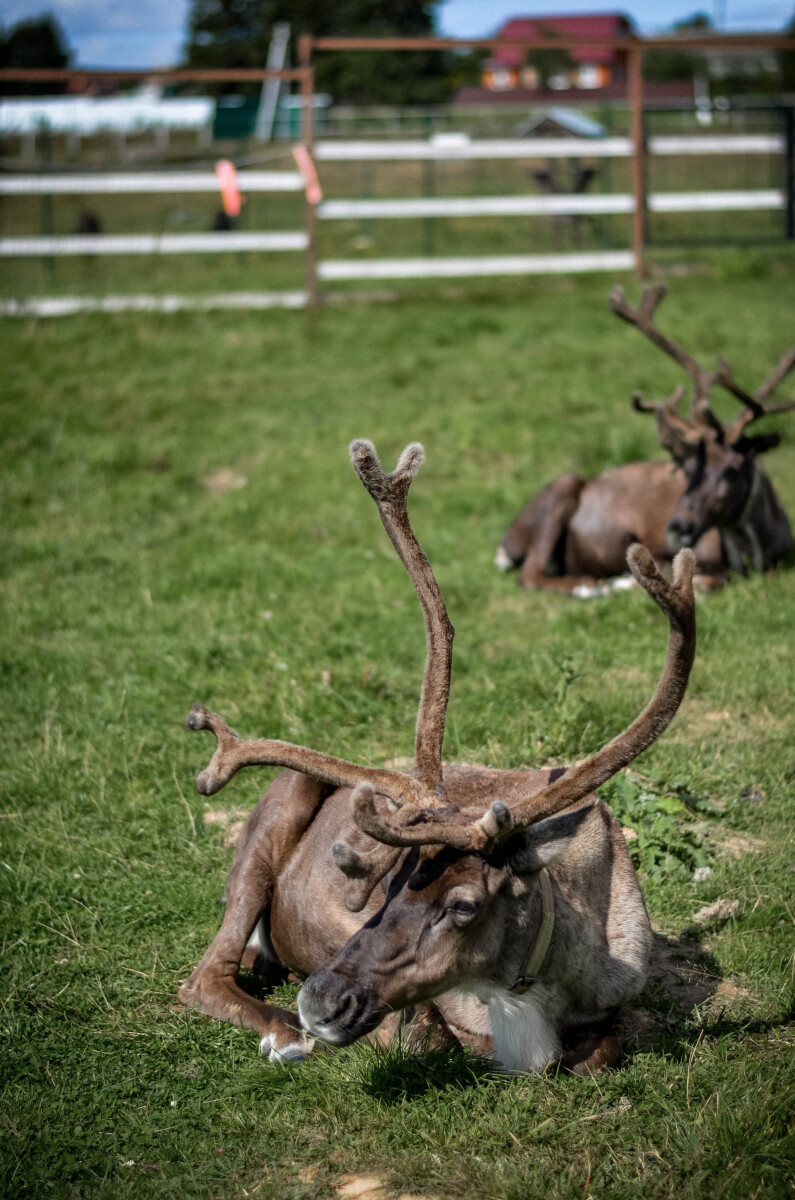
x=682, y=974
x=401, y=763
x=225, y=479
x=230, y=822
x=363, y=1187
x=372, y=1187
x=735, y=845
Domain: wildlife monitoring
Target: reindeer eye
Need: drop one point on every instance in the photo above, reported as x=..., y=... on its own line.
x=462, y=911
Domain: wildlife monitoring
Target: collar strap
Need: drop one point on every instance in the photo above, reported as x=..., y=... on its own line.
x=540, y=944
x=752, y=495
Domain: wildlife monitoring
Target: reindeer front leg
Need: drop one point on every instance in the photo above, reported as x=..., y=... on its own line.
x=270, y=834
x=213, y=988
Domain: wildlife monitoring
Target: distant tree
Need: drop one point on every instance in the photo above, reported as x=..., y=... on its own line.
x=237, y=33
x=786, y=61
x=36, y=43
x=674, y=63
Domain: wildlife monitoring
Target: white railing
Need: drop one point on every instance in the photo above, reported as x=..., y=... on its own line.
x=145, y=243
x=449, y=147
x=147, y=181
x=459, y=147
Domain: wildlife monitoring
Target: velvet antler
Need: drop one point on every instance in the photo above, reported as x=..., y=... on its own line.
x=681, y=435
x=390, y=493
x=233, y=752
x=413, y=826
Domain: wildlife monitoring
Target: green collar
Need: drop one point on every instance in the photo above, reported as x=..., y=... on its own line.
x=540, y=944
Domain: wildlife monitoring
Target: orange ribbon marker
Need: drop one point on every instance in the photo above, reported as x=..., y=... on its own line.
x=231, y=195
x=307, y=168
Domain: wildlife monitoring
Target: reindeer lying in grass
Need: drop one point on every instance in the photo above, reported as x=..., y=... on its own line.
x=576, y=531
x=499, y=906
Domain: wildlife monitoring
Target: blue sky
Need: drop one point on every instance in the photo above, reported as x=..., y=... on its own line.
x=146, y=33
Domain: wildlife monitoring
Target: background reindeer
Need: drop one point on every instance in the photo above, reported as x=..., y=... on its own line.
x=503, y=903
x=576, y=530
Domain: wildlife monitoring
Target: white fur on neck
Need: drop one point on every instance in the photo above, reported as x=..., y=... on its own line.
x=524, y=1037
x=524, y=1028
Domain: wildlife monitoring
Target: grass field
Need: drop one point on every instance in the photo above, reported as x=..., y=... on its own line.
x=181, y=523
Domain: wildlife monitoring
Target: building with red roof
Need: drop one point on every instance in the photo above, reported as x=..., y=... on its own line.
x=516, y=75
x=589, y=68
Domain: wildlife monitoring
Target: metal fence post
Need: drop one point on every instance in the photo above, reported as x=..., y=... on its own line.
x=789, y=176
x=308, y=139
x=638, y=157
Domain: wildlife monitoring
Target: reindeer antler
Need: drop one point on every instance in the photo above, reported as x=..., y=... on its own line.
x=755, y=406
x=390, y=493
x=233, y=752
x=642, y=318
x=680, y=435
x=417, y=826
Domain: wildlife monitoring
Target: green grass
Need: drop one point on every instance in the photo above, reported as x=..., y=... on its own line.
x=131, y=589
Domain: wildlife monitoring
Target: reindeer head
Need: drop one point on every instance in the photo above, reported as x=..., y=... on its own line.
x=718, y=459
x=460, y=852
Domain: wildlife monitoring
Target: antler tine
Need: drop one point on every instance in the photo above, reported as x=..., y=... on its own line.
x=673, y=433
x=390, y=494
x=233, y=752
x=724, y=377
x=755, y=406
x=676, y=600
x=410, y=827
x=642, y=318
x=775, y=379
x=363, y=871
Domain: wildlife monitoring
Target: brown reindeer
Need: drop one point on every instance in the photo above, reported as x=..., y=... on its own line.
x=576, y=531
x=497, y=907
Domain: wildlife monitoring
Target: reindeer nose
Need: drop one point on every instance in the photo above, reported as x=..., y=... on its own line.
x=680, y=532
x=331, y=1009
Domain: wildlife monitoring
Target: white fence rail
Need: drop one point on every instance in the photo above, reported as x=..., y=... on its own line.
x=147, y=181
x=610, y=147
x=449, y=147
x=562, y=205
x=166, y=243
x=454, y=268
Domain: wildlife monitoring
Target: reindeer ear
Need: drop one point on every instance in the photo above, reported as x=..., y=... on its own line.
x=758, y=444
x=541, y=844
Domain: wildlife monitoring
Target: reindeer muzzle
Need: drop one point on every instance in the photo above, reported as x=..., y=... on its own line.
x=337, y=1011
x=681, y=534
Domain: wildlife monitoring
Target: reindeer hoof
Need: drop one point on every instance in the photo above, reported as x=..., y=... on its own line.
x=595, y=1054
x=584, y=591
x=292, y=1052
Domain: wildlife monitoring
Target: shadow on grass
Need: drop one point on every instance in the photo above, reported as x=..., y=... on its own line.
x=684, y=978
x=398, y=1073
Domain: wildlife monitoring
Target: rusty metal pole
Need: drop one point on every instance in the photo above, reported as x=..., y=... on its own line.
x=308, y=139
x=638, y=157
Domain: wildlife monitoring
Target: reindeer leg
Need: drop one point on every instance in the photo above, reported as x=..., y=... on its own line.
x=541, y=526
x=535, y=533
x=589, y=1050
x=269, y=836
x=420, y=1029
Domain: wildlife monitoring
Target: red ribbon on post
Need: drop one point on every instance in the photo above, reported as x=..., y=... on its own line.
x=231, y=196
x=306, y=166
